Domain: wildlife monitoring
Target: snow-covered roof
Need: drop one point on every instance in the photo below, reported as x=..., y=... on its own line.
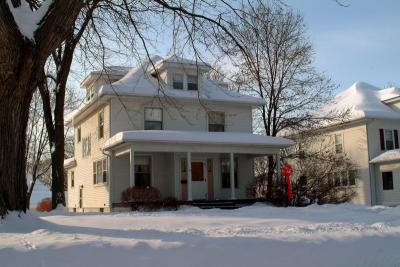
x=68, y=163
x=388, y=156
x=363, y=100
x=191, y=137
x=139, y=82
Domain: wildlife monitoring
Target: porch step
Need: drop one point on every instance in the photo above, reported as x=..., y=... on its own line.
x=222, y=204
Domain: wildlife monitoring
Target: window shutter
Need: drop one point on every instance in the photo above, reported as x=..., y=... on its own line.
x=382, y=139
x=396, y=139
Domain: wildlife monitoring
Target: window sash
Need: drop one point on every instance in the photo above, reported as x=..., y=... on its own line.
x=225, y=173
x=338, y=143
x=389, y=140
x=142, y=171
x=86, y=146
x=216, y=121
x=79, y=134
x=177, y=81
x=72, y=179
x=100, y=171
x=387, y=180
x=192, y=82
x=101, y=124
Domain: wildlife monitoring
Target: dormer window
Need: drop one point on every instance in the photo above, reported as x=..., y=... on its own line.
x=177, y=81
x=192, y=82
x=89, y=93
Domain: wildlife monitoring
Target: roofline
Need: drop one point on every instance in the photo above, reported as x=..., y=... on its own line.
x=384, y=161
x=391, y=100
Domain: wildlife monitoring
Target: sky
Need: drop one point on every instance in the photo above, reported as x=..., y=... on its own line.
x=360, y=42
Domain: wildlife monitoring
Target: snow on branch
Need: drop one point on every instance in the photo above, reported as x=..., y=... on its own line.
x=28, y=20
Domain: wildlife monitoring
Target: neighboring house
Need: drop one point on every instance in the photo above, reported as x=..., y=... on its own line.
x=141, y=127
x=369, y=136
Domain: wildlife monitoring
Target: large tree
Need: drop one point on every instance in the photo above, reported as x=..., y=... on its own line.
x=26, y=41
x=277, y=65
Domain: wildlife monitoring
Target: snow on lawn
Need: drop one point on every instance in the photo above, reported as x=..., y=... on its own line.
x=260, y=235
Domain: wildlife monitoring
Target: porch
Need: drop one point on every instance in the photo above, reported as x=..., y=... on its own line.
x=221, y=164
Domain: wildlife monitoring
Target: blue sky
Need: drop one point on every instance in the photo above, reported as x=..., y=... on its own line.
x=360, y=42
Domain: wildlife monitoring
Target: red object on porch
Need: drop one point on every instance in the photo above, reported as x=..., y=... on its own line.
x=287, y=172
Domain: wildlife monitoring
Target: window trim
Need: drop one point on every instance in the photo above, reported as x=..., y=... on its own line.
x=95, y=175
x=162, y=118
x=214, y=124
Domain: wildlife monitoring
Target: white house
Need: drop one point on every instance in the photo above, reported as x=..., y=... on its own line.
x=369, y=137
x=141, y=126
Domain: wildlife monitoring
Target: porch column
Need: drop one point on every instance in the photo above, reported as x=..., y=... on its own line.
x=232, y=175
x=189, y=175
x=132, y=168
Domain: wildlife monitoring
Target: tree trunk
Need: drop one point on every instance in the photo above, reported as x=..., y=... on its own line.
x=15, y=96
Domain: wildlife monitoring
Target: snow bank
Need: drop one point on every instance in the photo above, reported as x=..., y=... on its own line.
x=27, y=20
x=260, y=235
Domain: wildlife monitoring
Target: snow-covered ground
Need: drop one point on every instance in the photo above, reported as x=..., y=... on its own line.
x=343, y=235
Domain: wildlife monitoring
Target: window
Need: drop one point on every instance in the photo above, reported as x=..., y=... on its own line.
x=387, y=180
x=216, y=121
x=389, y=144
x=78, y=135
x=153, y=119
x=338, y=143
x=101, y=124
x=336, y=179
x=344, y=179
x=89, y=93
x=72, y=179
x=100, y=170
x=177, y=81
x=86, y=146
x=389, y=139
x=192, y=82
x=352, y=177
x=142, y=171
x=225, y=173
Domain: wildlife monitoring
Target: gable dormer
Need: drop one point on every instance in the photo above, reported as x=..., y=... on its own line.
x=180, y=73
x=96, y=79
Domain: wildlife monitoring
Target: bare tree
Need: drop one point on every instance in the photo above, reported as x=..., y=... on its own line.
x=321, y=175
x=276, y=65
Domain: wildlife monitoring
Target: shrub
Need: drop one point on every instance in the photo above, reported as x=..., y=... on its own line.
x=170, y=203
x=44, y=205
x=148, y=198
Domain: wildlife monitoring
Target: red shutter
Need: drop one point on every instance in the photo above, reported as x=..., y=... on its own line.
x=396, y=139
x=382, y=139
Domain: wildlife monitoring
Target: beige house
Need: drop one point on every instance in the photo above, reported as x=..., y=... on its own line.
x=369, y=137
x=142, y=126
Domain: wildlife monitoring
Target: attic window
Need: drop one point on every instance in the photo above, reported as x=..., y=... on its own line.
x=177, y=81
x=192, y=82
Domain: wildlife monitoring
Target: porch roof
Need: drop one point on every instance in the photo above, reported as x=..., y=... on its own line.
x=388, y=156
x=197, y=138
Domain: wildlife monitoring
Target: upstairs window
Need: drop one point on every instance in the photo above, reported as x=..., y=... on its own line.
x=100, y=171
x=177, y=81
x=78, y=135
x=192, y=82
x=153, y=119
x=216, y=121
x=89, y=93
x=226, y=173
x=338, y=143
x=101, y=124
x=389, y=139
x=387, y=180
x=86, y=146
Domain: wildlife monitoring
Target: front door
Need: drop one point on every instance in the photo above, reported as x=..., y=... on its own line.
x=199, y=180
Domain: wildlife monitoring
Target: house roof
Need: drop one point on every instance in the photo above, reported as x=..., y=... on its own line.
x=363, y=101
x=69, y=163
x=388, y=156
x=191, y=137
x=139, y=82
